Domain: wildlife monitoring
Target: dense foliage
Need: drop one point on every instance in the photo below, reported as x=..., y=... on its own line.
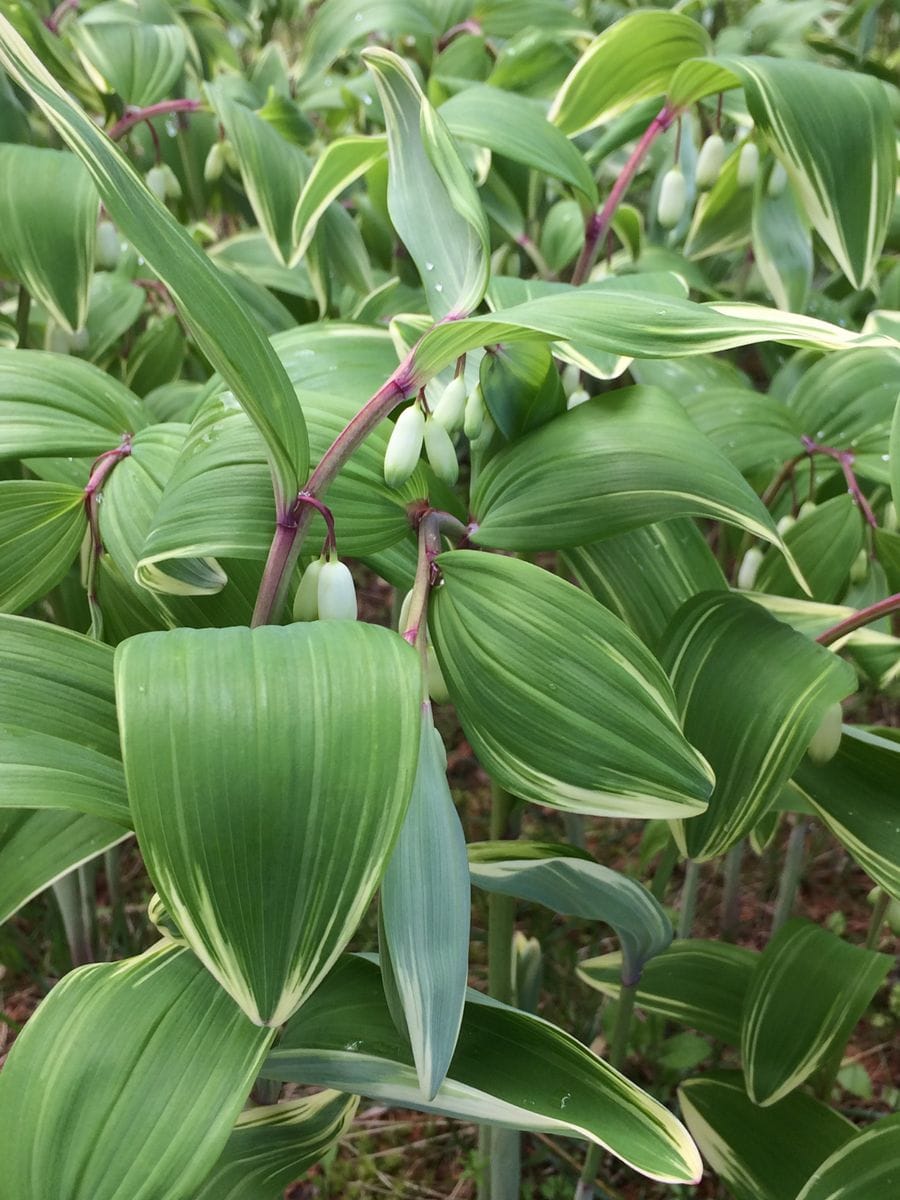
x=579, y=329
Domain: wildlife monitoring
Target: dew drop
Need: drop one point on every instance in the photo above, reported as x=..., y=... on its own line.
x=885, y=458
x=367, y=99
x=438, y=287
x=429, y=266
x=171, y=128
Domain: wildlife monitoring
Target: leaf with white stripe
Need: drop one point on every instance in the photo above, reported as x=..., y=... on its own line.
x=339, y=164
x=751, y=693
x=574, y=887
x=510, y=1069
x=271, y=1147
x=126, y=1082
x=562, y=703
x=426, y=905
x=269, y=772
x=863, y=1168
x=808, y=991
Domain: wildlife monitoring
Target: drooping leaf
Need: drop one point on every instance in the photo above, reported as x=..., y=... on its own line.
x=824, y=543
x=340, y=163
x=425, y=910
x=270, y=1147
x=782, y=247
x=139, y=61
x=754, y=431
x=855, y=795
x=808, y=991
x=633, y=59
x=866, y=1166
x=574, y=887
x=224, y=332
x=39, y=847
x=59, y=741
x=615, y=463
x=760, y=1153
x=751, y=693
x=515, y=127
x=646, y=574
x=510, y=1069
x=697, y=983
x=287, y=740
x=562, y=703
x=41, y=527
x=126, y=1082
x=431, y=198
x=48, y=210
x=521, y=388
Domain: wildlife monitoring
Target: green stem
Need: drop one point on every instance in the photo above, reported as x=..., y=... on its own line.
x=882, y=903
x=617, y=1050
x=68, y=893
x=790, y=876
x=688, y=902
x=23, y=311
x=731, y=892
x=663, y=874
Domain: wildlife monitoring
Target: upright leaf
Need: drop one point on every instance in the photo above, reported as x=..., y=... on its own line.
x=782, y=247
x=824, y=543
x=808, y=991
x=267, y=810
x=126, y=1082
x=340, y=163
x=562, y=703
x=431, y=198
x=510, y=1069
x=752, y=693
x=425, y=909
x=224, y=332
x=48, y=211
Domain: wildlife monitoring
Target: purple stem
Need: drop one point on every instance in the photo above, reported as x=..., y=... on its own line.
x=133, y=116
x=599, y=223
x=456, y=31
x=865, y=616
x=845, y=460
x=101, y=469
x=52, y=22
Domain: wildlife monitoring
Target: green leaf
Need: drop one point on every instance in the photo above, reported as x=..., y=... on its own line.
x=425, y=910
x=866, y=1166
x=53, y=404
x=620, y=461
x=510, y=1069
x=645, y=575
x=340, y=25
x=431, y=198
x=59, y=741
x=272, y=1147
x=824, y=543
x=722, y=218
x=324, y=743
x=895, y=455
x=516, y=127
x=126, y=1082
x=340, y=163
x=760, y=1153
x=224, y=333
x=39, y=847
x=561, y=702
x=808, y=991
x=696, y=983
x=48, y=210
x=782, y=246
x=855, y=795
x=753, y=430
x=632, y=60
x=41, y=528
x=818, y=121
x=139, y=61
x=752, y=693
x=576, y=888
x=521, y=388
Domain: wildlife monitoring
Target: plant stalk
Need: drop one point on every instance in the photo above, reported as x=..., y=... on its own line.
x=23, y=312
x=865, y=616
x=134, y=116
x=598, y=225
x=688, y=902
x=790, y=876
x=731, y=892
x=69, y=893
x=663, y=873
x=876, y=921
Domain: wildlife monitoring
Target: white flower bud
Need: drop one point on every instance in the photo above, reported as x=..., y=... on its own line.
x=571, y=378
x=579, y=396
x=747, y=572
x=786, y=523
x=80, y=340
x=890, y=517
x=710, y=160
x=306, y=599
x=215, y=163
x=437, y=687
x=451, y=408
x=58, y=340
x=748, y=165
x=827, y=738
x=474, y=418
x=156, y=182
x=232, y=162
x=859, y=568
x=336, y=593
x=441, y=452
x=777, y=181
x=404, y=446
x=672, y=198
x=108, y=248
x=806, y=509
